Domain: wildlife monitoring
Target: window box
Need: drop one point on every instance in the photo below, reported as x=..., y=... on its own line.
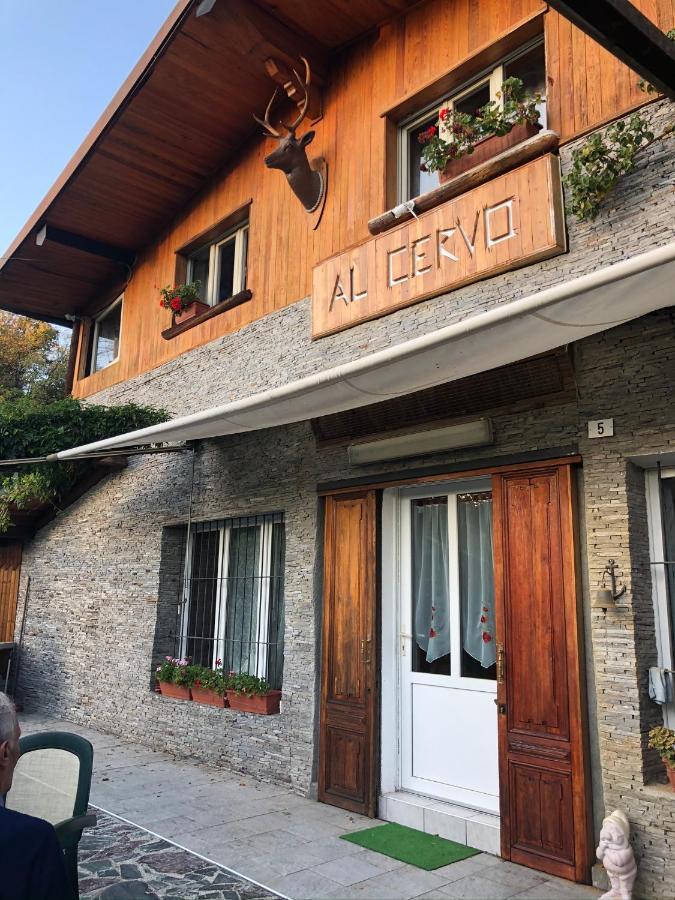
x=208, y=697
x=262, y=704
x=175, y=691
x=487, y=148
x=193, y=309
x=206, y=312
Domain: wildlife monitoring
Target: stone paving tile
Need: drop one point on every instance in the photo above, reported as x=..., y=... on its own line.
x=267, y=833
x=306, y=885
x=349, y=871
x=121, y=862
x=478, y=887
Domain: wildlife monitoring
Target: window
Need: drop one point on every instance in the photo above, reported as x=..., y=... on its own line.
x=105, y=341
x=233, y=601
x=452, y=585
x=527, y=64
x=661, y=506
x=220, y=266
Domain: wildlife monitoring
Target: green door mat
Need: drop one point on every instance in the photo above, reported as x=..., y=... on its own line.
x=426, y=851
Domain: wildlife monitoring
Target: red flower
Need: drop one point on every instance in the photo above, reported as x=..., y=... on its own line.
x=485, y=609
x=432, y=633
x=175, y=303
x=486, y=637
x=483, y=619
x=443, y=114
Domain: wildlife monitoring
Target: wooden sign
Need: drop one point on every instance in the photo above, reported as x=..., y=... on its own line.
x=512, y=221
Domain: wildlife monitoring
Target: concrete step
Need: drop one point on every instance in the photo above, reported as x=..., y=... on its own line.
x=472, y=827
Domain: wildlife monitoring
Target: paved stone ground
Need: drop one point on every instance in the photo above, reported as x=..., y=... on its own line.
x=119, y=861
x=268, y=834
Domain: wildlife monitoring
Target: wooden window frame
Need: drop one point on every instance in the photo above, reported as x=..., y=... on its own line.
x=492, y=75
x=91, y=368
x=237, y=234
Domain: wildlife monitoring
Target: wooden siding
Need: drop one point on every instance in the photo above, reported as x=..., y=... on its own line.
x=10, y=570
x=586, y=88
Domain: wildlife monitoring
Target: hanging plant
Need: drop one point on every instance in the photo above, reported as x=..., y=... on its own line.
x=457, y=133
x=604, y=157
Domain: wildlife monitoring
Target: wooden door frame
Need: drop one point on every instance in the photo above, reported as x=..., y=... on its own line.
x=578, y=718
x=575, y=660
x=372, y=506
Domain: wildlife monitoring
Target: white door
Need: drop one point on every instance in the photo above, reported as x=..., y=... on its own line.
x=447, y=711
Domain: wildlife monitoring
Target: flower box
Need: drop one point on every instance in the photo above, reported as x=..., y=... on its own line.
x=196, y=308
x=207, y=696
x=262, y=704
x=670, y=772
x=176, y=691
x=487, y=148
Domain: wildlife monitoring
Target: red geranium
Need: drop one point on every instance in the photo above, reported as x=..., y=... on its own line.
x=176, y=304
x=486, y=637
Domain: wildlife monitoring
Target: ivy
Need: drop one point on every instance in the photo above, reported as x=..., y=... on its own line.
x=28, y=429
x=604, y=157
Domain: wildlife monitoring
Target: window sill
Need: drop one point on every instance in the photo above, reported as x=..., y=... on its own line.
x=544, y=142
x=216, y=310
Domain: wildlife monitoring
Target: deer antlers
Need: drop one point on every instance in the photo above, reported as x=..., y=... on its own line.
x=304, y=86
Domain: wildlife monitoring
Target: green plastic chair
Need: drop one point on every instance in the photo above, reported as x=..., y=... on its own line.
x=52, y=781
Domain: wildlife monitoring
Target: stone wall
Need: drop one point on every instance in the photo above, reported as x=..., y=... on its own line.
x=96, y=576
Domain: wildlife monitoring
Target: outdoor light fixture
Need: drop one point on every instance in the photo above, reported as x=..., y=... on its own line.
x=606, y=597
x=452, y=437
x=204, y=7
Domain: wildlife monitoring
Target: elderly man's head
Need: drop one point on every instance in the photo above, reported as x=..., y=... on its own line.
x=9, y=742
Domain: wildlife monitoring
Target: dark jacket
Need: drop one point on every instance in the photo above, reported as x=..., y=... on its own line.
x=32, y=866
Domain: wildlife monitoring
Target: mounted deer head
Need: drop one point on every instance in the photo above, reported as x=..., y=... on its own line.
x=290, y=156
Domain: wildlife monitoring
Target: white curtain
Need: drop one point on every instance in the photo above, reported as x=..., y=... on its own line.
x=431, y=602
x=476, y=580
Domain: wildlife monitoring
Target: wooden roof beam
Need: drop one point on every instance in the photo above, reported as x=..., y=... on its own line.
x=620, y=27
x=259, y=35
x=87, y=245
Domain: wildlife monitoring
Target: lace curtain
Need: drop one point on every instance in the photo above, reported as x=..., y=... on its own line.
x=431, y=577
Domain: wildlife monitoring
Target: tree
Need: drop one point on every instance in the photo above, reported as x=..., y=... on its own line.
x=33, y=359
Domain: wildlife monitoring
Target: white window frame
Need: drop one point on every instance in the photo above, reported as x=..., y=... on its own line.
x=220, y=615
x=494, y=76
x=97, y=329
x=239, y=235
x=664, y=642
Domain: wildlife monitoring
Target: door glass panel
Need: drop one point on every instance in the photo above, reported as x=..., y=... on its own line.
x=476, y=584
x=430, y=586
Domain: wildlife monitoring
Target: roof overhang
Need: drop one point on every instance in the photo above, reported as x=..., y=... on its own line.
x=182, y=114
x=512, y=331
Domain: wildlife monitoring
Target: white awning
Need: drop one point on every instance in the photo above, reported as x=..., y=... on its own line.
x=512, y=331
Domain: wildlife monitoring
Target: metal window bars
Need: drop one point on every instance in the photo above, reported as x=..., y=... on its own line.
x=232, y=603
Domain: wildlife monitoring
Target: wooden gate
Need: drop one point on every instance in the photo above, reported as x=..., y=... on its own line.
x=348, y=740
x=10, y=570
x=543, y=778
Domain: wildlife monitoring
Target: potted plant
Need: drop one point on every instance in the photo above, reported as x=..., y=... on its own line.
x=461, y=141
x=663, y=741
x=249, y=693
x=209, y=686
x=183, y=301
x=175, y=678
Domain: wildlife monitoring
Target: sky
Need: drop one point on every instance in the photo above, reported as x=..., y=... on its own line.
x=61, y=62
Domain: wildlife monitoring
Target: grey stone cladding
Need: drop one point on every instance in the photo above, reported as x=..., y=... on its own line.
x=102, y=576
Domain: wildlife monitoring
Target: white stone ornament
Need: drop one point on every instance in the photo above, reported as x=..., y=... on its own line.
x=616, y=854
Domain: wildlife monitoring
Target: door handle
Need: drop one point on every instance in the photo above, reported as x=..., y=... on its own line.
x=365, y=650
x=500, y=663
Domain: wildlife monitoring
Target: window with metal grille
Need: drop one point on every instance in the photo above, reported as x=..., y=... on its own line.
x=232, y=607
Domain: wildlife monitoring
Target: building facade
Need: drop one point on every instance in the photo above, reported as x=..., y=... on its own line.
x=418, y=572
